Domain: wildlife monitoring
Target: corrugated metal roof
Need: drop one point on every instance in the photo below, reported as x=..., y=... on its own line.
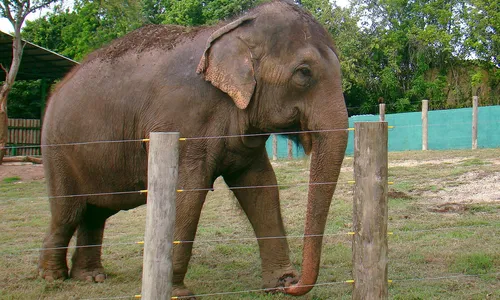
x=36, y=63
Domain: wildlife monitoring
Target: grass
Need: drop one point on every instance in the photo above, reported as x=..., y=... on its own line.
x=433, y=253
x=11, y=179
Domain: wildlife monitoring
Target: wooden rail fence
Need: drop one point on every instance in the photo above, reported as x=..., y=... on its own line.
x=24, y=133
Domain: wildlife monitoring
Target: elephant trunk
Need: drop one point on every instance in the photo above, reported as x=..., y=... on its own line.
x=328, y=149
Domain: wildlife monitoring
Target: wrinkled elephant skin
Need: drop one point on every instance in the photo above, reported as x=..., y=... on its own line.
x=273, y=70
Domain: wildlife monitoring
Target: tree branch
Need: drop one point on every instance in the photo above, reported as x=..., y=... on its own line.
x=4, y=69
x=7, y=12
x=39, y=6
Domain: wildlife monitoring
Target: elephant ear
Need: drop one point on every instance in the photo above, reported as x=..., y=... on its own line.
x=227, y=63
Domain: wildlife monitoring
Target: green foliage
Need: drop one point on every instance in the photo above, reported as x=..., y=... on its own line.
x=90, y=25
x=24, y=100
x=395, y=51
x=198, y=12
x=11, y=179
x=483, y=29
x=47, y=30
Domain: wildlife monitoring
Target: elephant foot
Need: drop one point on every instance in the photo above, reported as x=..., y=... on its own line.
x=182, y=292
x=52, y=275
x=277, y=280
x=95, y=275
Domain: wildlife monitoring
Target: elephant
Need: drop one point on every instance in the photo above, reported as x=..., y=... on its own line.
x=274, y=69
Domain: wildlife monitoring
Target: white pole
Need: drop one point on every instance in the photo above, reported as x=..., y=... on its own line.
x=425, y=125
x=475, y=104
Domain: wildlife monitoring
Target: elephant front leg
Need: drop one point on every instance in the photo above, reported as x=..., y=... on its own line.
x=188, y=210
x=262, y=207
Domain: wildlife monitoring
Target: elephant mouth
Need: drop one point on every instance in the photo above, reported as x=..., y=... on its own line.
x=306, y=142
x=306, y=137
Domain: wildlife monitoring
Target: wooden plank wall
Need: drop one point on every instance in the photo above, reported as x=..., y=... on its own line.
x=24, y=133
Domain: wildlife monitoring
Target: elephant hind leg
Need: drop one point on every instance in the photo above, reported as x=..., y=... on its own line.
x=86, y=260
x=52, y=263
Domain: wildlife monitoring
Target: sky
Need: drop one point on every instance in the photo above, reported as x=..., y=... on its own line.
x=5, y=25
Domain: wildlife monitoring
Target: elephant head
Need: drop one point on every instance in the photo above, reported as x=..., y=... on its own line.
x=280, y=68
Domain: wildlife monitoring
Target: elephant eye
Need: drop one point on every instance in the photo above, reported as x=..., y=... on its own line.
x=303, y=76
x=305, y=71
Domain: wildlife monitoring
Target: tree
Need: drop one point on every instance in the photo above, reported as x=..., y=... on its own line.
x=16, y=12
x=96, y=23
x=194, y=12
x=47, y=31
x=483, y=20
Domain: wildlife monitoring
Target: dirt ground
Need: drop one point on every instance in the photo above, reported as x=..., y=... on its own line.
x=25, y=171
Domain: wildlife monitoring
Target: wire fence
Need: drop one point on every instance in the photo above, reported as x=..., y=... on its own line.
x=490, y=226
x=142, y=140
x=321, y=284
x=139, y=241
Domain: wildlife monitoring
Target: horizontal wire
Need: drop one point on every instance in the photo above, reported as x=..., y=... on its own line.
x=76, y=144
x=185, y=242
x=298, y=184
x=228, y=136
x=443, y=277
x=277, y=289
x=255, y=238
x=445, y=124
x=445, y=228
x=110, y=298
x=282, y=289
x=183, y=139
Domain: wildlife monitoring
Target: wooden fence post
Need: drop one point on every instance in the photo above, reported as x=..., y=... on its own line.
x=290, y=148
x=475, y=104
x=160, y=216
x=370, y=211
x=425, y=125
x=381, y=111
x=275, y=147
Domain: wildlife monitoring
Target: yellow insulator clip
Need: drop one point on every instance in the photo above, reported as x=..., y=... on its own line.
x=182, y=140
x=145, y=140
x=349, y=281
x=351, y=181
x=351, y=233
x=180, y=191
x=350, y=129
x=137, y=296
x=140, y=243
x=143, y=191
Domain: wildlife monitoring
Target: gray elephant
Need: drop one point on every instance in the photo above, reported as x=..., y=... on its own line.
x=273, y=70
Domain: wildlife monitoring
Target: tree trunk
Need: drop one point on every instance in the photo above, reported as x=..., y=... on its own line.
x=4, y=132
x=10, y=77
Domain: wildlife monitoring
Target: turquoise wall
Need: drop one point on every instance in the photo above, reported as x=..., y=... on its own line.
x=448, y=129
x=283, y=148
